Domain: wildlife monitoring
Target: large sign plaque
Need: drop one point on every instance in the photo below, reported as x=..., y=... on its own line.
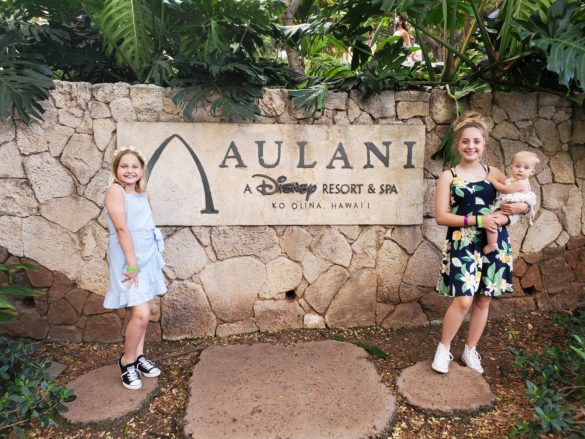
x=255, y=174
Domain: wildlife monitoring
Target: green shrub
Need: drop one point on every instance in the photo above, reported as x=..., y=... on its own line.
x=27, y=392
x=555, y=384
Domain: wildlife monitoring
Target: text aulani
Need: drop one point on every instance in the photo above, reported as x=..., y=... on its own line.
x=339, y=154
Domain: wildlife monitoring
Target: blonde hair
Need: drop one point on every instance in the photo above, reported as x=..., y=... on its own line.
x=118, y=154
x=470, y=119
x=528, y=156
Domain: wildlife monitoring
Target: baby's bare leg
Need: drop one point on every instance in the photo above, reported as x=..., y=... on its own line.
x=492, y=237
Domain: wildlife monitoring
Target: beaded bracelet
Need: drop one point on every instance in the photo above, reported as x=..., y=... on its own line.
x=132, y=269
x=479, y=221
x=465, y=219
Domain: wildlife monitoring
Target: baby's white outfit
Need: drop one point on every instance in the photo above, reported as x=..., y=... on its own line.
x=518, y=197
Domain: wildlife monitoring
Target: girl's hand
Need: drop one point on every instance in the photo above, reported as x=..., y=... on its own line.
x=514, y=208
x=131, y=277
x=500, y=218
x=490, y=223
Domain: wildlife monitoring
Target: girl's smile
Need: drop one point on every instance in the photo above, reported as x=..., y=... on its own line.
x=129, y=170
x=471, y=144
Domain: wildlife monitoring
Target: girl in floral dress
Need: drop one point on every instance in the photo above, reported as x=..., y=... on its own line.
x=465, y=202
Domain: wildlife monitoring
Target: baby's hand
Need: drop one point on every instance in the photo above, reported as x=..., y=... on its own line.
x=492, y=179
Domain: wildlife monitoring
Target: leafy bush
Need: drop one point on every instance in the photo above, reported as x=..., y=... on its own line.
x=555, y=384
x=27, y=392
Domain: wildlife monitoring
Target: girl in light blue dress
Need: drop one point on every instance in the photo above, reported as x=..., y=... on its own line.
x=135, y=262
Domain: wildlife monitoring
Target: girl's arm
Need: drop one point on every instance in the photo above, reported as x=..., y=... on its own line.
x=442, y=214
x=114, y=203
x=442, y=197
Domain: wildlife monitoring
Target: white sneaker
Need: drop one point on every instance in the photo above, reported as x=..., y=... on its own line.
x=442, y=359
x=472, y=359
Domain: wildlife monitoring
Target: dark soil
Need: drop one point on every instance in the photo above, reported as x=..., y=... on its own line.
x=163, y=418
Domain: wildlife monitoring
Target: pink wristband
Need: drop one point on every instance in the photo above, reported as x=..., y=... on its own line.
x=465, y=220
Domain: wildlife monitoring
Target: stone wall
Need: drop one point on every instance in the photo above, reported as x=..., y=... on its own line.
x=234, y=279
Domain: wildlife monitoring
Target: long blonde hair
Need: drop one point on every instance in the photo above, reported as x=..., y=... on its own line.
x=118, y=154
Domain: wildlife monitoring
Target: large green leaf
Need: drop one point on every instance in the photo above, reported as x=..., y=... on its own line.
x=562, y=38
x=220, y=26
x=7, y=315
x=235, y=80
x=7, y=308
x=23, y=84
x=5, y=303
x=511, y=13
x=310, y=97
x=20, y=291
x=124, y=25
x=566, y=56
x=25, y=79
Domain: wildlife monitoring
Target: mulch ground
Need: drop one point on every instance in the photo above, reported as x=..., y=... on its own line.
x=163, y=418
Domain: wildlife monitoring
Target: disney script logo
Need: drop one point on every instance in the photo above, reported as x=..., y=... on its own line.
x=270, y=186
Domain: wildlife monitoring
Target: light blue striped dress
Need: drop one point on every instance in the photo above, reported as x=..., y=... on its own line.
x=148, y=243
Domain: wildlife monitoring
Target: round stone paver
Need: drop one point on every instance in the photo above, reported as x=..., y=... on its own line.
x=101, y=396
x=462, y=389
x=324, y=389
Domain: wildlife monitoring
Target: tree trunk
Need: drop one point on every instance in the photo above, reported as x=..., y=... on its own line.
x=295, y=61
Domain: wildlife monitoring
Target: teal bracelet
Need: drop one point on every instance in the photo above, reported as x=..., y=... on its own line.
x=132, y=269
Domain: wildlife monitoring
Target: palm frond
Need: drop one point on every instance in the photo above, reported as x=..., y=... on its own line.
x=123, y=24
x=310, y=97
x=23, y=84
x=513, y=12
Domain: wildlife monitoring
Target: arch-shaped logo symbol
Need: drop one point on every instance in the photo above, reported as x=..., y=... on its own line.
x=209, y=209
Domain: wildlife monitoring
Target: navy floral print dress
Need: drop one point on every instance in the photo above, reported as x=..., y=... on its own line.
x=465, y=270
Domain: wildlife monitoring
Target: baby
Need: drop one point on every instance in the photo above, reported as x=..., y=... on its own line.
x=515, y=189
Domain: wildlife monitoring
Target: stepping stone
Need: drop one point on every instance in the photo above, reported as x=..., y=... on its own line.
x=324, y=389
x=462, y=389
x=55, y=369
x=101, y=396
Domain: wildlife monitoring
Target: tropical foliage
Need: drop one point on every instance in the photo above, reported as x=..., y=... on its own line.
x=555, y=384
x=227, y=50
x=532, y=44
x=28, y=393
x=24, y=78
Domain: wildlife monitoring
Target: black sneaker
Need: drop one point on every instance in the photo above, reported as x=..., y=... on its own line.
x=130, y=376
x=146, y=367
